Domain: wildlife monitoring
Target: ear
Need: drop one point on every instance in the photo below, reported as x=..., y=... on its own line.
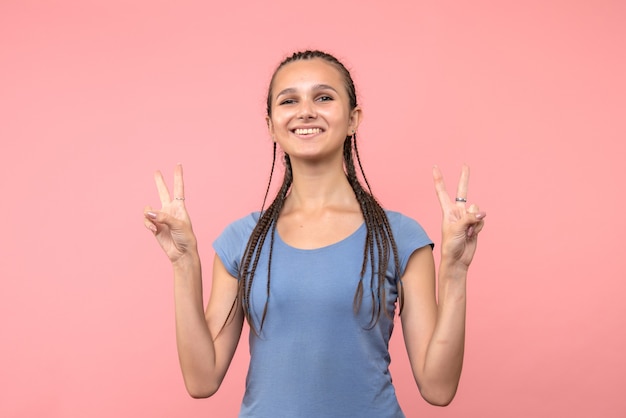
x=270, y=127
x=356, y=116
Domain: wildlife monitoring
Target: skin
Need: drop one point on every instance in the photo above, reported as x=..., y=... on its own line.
x=321, y=209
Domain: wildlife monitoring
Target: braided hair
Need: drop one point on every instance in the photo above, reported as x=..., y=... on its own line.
x=379, y=243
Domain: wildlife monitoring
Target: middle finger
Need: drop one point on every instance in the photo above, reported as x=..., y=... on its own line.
x=461, y=193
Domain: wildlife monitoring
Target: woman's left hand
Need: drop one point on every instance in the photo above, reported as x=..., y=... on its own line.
x=460, y=224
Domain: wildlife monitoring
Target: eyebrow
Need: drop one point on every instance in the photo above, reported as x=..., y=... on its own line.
x=291, y=90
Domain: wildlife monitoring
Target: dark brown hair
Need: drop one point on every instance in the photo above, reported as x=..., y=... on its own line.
x=379, y=242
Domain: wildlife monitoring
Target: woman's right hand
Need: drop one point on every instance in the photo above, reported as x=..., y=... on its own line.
x=171, y=225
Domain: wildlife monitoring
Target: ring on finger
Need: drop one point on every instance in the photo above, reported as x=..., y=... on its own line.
x=461, y=199
x=179, y=198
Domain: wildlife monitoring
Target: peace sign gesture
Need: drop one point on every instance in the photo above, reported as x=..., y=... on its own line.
x=171, y=225
x=460, y=225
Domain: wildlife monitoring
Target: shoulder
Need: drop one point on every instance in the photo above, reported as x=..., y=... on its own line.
x=242, y=226
x=231, y=243
x=397, y=217
x=403, y=225
x=408, y=235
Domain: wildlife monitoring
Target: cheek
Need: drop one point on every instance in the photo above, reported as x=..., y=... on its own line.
x=280, y=120
x=339, y=118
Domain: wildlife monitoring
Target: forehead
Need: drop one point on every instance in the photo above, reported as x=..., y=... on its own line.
x=304, y=72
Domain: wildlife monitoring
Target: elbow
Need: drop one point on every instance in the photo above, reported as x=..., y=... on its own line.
x=438, y=396
x=201, y=391
x=438, y=400
x=200, y=394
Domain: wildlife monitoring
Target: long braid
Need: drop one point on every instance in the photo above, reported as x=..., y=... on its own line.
x=265, y=224
x=269, y=183
x=386, y=226
x=379, y=237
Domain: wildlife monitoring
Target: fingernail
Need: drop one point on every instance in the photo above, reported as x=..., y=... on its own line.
x=151, y=215
x=480, y=215
x=152, y=228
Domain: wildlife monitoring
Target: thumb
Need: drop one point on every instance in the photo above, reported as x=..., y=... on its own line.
x=473, y=220
x=161, y=218
x=474, y=215
x=147, y=220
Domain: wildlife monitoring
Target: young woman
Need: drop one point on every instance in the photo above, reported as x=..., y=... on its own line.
x=318, y=274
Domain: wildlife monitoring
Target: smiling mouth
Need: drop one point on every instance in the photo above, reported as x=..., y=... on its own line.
x=307, y=131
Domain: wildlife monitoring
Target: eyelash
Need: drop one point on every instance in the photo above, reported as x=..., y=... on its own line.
x=323, y=98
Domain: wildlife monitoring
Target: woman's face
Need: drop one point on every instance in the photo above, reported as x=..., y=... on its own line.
x=311, y=114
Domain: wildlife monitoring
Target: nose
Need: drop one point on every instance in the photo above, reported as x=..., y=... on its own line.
x=307, y=110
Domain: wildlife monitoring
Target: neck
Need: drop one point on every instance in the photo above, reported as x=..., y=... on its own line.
x=318, y=186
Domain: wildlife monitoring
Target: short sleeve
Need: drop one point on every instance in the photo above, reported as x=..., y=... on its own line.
x=231, y=243
x=409, y=236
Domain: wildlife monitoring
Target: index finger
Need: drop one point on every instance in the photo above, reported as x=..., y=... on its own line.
x=440, y=187
x=164, y=193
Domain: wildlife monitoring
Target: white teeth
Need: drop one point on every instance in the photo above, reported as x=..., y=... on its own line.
x=307, y=131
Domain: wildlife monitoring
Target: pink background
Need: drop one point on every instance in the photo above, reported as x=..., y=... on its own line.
x=95, y=96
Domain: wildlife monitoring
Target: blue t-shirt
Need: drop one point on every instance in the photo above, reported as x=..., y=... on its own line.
x=314, y=356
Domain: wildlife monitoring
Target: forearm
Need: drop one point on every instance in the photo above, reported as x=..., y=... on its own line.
x=444, y=358
x=196, y=350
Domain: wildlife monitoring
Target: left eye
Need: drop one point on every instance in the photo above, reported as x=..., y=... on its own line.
x=324, y=98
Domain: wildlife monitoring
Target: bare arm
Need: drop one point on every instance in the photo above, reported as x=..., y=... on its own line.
x=434, y=328
x=206, y=341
